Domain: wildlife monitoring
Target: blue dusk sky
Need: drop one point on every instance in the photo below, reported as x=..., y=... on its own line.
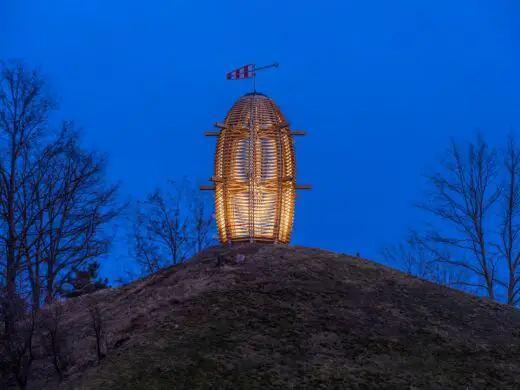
x=380, y=86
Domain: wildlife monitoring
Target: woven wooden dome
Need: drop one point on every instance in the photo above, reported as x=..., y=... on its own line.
x=255, y=173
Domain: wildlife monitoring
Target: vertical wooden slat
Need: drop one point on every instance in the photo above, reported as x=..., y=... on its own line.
x=256, y=156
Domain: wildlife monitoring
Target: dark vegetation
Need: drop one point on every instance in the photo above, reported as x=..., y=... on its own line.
x=84, y=281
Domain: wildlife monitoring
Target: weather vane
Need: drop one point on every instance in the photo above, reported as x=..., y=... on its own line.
x=249, y=71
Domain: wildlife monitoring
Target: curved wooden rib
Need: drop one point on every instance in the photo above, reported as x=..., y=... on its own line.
x=255, y=173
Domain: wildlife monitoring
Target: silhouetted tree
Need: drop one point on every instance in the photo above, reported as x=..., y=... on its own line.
x=475, y=230
x=97, y=327
x=509, y=247
x=460, y=198
x=414, y=259
x=169, y=226
x=54, y=337
x=82, y=207
x=202, y=223
x=161, y=231
x=24, y=109
x=54, y=202
x=409, y=258
x=83, y=281
x=146, y=251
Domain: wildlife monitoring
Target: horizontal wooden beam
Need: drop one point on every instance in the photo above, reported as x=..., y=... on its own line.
x=212, y=187
x=212, y=133
x=281, y=125
x=220, y=125
x=298, y=132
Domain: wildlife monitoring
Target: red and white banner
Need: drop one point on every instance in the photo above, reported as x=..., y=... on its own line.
x=244, y=72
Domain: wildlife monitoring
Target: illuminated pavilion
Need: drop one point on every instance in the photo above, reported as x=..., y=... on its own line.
x=255, y=173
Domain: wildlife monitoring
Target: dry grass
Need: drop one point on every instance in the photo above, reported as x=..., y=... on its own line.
x=293, y=317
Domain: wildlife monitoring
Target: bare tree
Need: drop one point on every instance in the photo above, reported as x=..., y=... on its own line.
x=81, y=208
x=161, y=231
x=96, y=324
x=410, y=258
x=84, y=281
x=54, y=203
x=146, y=251
x=54, y=338
x=202, y=223
x=33, y=201
x=24, y=109
x=509, y=246
x=413, y=258
x=460, y=199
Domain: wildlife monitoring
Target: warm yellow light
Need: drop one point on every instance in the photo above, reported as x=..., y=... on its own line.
x=255, y=173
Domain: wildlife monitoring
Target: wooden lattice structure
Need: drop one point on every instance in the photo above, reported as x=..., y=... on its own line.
x=255, y=173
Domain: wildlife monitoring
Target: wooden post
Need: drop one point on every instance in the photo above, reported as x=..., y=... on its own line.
x=220, y=125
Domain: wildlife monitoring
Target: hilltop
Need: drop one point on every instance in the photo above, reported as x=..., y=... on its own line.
x=291, y=317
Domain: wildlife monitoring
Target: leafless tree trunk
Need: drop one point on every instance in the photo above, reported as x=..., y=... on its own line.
x=161, y=230
x=460, y=200
x=24, y=107
x=81, y=208
x=96, y=324
x=31, y=207
x=510, y=236
x=202, y=223
x=54, y=203
x=54, y=338
x=146, y=252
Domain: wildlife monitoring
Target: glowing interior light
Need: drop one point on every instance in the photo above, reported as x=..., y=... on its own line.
x=255, y=173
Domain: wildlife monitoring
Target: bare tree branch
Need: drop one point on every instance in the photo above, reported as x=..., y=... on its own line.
x=24, y=109
x=169, y=226
x=460, y=198
x=509, y=246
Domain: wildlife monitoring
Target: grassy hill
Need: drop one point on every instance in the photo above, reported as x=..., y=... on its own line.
x=291, y=317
